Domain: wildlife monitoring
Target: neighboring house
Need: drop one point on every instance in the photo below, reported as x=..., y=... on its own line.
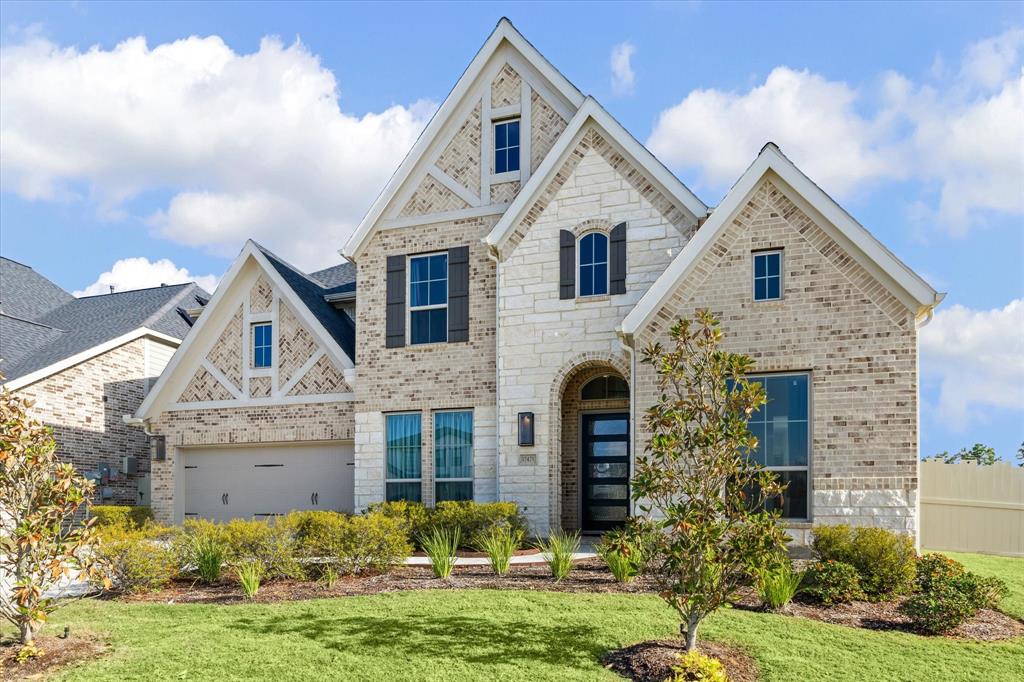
x=504, y=282
x=88, y=361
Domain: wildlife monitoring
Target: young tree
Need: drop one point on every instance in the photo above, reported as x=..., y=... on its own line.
x=40, y=540
x=707, y=493
x=979, y=453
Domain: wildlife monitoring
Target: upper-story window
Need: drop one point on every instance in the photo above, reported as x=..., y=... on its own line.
x=428, y=298
x=506, y=146
x=262, y=345
x=767, y=275
x=593, y=268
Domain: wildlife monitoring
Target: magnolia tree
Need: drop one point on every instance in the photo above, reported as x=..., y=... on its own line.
x=697, y=479
x=40, y=540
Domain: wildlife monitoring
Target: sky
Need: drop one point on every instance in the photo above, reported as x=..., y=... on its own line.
x=143, y=143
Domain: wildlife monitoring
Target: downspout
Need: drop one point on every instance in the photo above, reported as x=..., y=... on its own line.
x=626, y=340
x=492, y=253
x=129, y=420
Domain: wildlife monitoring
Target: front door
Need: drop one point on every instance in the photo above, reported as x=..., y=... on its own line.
x=605, y=464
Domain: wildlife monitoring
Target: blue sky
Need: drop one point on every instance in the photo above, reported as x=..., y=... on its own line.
x=178, y=149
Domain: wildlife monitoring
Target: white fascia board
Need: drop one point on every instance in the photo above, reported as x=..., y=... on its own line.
x=771, y=159
x=88, y=354
x=503, y=31
x=617, y=134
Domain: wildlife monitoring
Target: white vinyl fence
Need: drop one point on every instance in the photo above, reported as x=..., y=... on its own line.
x=971, y=508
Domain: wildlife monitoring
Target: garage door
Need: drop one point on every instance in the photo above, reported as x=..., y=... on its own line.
x=221, y=484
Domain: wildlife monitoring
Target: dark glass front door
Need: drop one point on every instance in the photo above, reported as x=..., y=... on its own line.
x=605, y=475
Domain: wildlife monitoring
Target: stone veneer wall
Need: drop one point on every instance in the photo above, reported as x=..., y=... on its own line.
x=84, y=405
x=836, y=321
x=307, y=422
x=425, y=377
x=542, y=338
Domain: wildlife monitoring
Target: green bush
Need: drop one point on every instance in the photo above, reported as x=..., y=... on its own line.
x=241, y=540
x=357, y=544
x=121, y=515
x=250, y=573
x=414, y=516
x=441, y=544
x=500, y=544
x=209, y=556
x=558, y=550
x=951, y=600
x=623, y=552
x=885, y=561
x=778, y=587
x=831, y=582
x=305, y=524
x=134, y=560
x=474, y=520
x=694, y=666
x=936, y=569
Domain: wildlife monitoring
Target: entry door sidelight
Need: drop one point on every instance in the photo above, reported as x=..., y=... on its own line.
x=605, y=461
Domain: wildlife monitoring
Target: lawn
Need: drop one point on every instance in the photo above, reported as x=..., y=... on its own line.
x=494, y=635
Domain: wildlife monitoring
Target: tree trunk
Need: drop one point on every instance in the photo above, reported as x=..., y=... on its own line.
x=691, y=633
x=27, y=635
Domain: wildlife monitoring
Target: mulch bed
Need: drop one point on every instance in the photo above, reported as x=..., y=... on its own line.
x=57, y=653
x=652, y=661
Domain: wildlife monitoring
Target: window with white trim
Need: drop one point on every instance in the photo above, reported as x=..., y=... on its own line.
x=403, y=457
x=453, y=455
x=593, y=264
x=506, y=146
x=428, y=298
x=767, y=275
x=783, y=431
x=262, y=345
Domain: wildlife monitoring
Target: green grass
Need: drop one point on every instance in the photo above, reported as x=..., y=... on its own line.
x=479, y=634
x=1009, y=569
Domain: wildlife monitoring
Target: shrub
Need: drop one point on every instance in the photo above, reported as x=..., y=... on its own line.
x=272, y=545
x=935, y=569
x=623, y=552
x=249, y=575
x=306, y=524
x=474, y=520
x=952, y=598
x=499, y=545
x=694, y=666
x=558, y=550
x=209, y=556
x=779, y=586
x=831, y=582
x=440, y=544
x=134, y=561
x=356, y=544
x=121, y=515
x=885, y=561
x=414, y=516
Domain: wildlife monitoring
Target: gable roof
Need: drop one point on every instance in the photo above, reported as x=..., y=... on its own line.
x=917, y=294
x=26, y=294
x=338, y=276
x=591, y=111
x=33, y=347
x=504, y=31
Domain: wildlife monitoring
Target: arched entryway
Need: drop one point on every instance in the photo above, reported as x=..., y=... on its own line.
x=590, y=473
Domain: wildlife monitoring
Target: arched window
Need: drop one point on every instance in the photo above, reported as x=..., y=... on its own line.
x=593, y=270
x=608, y=387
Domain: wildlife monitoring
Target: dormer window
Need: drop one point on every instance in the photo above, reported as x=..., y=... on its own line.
x=593, y=265
x=506, y=146
x=262, y=345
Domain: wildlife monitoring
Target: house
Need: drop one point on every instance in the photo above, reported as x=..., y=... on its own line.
x=482, y=342
x=86, y=362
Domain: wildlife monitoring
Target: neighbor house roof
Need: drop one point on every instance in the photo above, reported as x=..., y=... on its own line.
x=57, y=326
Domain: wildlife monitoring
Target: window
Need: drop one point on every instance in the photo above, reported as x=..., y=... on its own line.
x=403, y=457
x=782, y=427
x=428, y=298
x=608, y=387
x=593, y=264
x=453, y=456
x=506, y=146
x=768, y=276
x=262, y=345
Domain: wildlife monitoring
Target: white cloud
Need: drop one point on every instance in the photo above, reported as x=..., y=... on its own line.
x=623, y=78
x=964, y=141
x=249, y=145
x=140, y=273
x=977, y=358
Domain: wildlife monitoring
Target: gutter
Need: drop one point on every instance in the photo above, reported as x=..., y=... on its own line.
x=340, y=297
x=626, y=340
x=925, y=313
x=131, y=420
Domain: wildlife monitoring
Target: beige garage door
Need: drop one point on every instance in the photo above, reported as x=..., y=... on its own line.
x=225, y=483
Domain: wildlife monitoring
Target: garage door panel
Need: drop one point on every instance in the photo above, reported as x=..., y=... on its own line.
x=225, y=483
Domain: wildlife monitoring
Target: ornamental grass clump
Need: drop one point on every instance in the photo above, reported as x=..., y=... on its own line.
x=209, y=556
x=250, y=573
x=441, y=544
x=558, y=551
x=623, y=552
x=500, y=544
x=778, y=587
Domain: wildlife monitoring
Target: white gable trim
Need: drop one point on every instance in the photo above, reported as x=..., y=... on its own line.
x=909, y=287
x=88, y=354
x=591, y=111
x=504, y=31
x=250, y=250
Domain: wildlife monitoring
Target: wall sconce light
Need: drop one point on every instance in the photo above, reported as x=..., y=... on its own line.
x=526, y=428
x=158, y=447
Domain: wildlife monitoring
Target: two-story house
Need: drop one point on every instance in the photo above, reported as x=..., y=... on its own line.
x=487, y=349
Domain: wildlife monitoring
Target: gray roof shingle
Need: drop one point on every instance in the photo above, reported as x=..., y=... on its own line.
x=336, y=277
x=26, y=294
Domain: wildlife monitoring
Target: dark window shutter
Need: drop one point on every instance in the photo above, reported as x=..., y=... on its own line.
x=395, y=335
x=617, y=260
x=458, y=294
x=566, y=264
